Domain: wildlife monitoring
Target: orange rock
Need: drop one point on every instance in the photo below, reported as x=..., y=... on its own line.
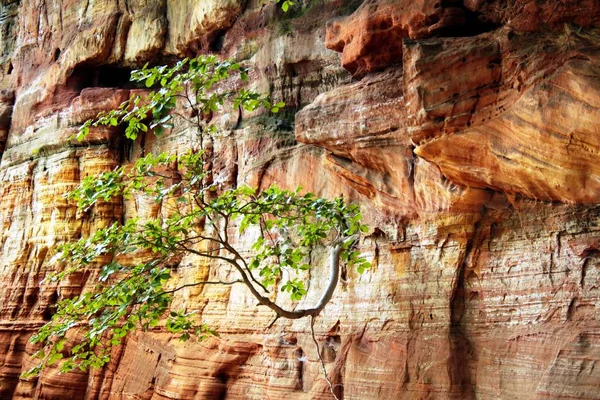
x=371, y=38
x=462, y=155
x=518, y=124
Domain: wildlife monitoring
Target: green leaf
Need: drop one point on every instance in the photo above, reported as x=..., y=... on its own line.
x=150, y=81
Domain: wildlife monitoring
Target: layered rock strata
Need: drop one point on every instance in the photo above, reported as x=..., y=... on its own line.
x=468, y=132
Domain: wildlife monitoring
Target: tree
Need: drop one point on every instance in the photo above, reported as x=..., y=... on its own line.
x=201, y=217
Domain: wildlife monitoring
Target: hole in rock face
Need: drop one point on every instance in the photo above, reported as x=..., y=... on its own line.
x=217, y=40
x=50, y=308
x=300, y=68
x=222, y=377
x=9, y=68
x=472, y=24
x=56, y=55
x=571, y=309
x=344, y=274
x=85, y=76
x=301, y=357
x=334, y=341
x=331, y=347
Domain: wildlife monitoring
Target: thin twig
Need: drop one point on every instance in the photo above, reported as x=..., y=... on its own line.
x=272, y=322
x=312, y=331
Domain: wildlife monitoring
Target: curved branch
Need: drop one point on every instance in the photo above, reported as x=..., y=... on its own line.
x=334, y=275
x=249, y=272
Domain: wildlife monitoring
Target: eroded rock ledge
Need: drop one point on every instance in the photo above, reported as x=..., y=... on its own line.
x=467, y=130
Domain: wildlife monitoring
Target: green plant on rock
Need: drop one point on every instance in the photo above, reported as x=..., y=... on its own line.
x=199, y=217
x=284, y=4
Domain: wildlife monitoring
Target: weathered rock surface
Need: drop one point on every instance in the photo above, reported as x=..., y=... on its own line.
x=520, y=123
x=527, y=15
x=371, y=38
x=471, y=141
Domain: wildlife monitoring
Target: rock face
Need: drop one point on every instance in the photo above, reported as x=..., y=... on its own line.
x=467, y=130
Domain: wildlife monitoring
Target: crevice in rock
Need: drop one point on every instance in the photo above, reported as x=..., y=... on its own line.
x=125, y=147
x=222, y=378
x=301, y=357
x=50, y=308
x=142, y=137
x=338, y=371
x=332, y=346
x=216, y=40
x=30, y=299
x=85, y=76
x=6, y=98
x=588, y=255
x=571, y=309
x=235, y=171
x=474, y=23
x=461, y=350
x=56, y=54
x=344, y=276
x=341, y=160
x=411, y=168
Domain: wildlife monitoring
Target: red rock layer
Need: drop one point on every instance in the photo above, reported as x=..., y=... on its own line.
x=471, y=142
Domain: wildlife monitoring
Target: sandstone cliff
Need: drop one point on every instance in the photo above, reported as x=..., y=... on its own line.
x=469, y=131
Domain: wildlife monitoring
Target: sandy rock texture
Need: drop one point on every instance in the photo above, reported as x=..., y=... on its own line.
x=467, y=130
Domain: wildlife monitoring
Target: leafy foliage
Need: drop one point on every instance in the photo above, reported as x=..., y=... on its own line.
x=193, y=82
x=199, y=217
x=284, y=4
